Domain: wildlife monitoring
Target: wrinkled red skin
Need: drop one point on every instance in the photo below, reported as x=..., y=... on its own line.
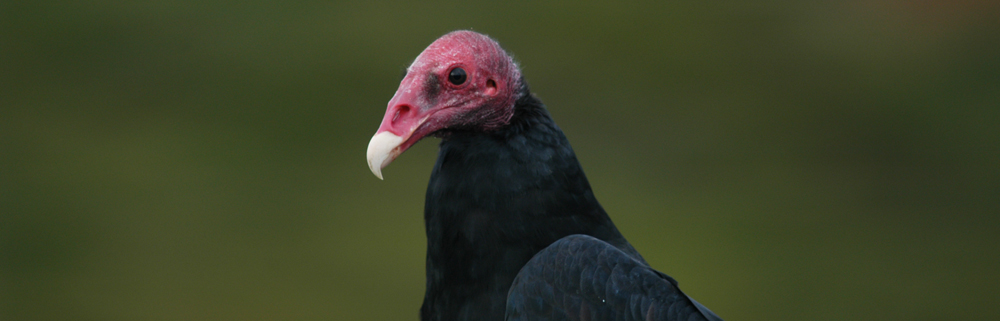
x=427, y=102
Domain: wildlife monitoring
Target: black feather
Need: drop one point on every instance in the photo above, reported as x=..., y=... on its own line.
x=496, y=199
x=582, y=278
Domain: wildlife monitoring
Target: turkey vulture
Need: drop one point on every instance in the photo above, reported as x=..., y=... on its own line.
x=513, y=229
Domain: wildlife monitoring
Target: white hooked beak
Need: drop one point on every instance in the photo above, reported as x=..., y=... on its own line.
x=382, y=150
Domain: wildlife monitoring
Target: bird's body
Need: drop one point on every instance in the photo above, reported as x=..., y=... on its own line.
x=508, y=203
x=494, y=200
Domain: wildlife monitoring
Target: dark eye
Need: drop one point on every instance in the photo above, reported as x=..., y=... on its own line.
x=457, y=76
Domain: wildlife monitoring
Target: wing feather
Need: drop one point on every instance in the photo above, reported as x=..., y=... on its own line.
x=580, y=277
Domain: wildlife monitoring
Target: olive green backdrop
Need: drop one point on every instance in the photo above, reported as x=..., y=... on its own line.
x=205, y=160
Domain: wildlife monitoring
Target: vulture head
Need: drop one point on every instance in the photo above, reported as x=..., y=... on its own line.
x=462, y=81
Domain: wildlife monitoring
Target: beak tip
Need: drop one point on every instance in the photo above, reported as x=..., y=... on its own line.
x=377, y=171
x=381, y=151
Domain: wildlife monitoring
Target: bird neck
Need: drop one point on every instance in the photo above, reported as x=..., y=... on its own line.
x=494, y=200
x=526, y=169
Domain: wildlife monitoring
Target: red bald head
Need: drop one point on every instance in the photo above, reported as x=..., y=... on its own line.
x=462, y=80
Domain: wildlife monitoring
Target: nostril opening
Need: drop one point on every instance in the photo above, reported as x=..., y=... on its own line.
x=400, y=110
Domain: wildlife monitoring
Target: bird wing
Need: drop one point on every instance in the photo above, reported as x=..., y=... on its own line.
x=580, y=277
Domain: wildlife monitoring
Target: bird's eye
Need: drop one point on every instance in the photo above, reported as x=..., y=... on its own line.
x=457, y=76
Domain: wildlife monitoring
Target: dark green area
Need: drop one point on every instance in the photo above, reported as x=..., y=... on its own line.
x=205, y=160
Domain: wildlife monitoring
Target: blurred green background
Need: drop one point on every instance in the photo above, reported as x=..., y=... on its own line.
x=204, y=160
